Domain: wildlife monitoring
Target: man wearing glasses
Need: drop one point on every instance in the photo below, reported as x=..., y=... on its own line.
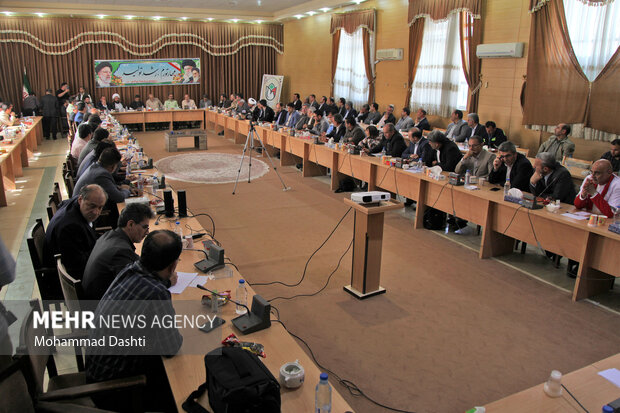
x=600, y=191
x=115, y=250
x=478, y=161
x=512, y=165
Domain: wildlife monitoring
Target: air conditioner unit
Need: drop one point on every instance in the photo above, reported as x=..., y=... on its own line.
x=390, y=54
x=484, y=51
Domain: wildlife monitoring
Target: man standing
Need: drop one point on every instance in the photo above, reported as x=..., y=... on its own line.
x=70, y=231
x=405, y=122
x=559, y=145
x=613, y=155
x=115, y=250
x=458, y=130
x=478, y=161
x=50, y=108
x=30, y=105
x=511, y=165
x=600, y=190
x=495, y=135
x=550, y=179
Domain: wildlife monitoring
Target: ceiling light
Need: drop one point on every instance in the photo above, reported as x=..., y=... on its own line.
x=101, y=16
x=129, y=17
x=310, y=13
x=210, y=18
x=8, y=13
x=259, y=21
x=324, y=9
x=156, y=17
x=40, y=14
x=299, y=16
x=359, y=1
x=234, y=20
x=183, y=18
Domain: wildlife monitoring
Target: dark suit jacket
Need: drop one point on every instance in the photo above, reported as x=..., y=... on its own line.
x=520, y=174
x=268, y=115
x=423, y=125
x=390, y=119
x=480, y=131
x=373, y=118
x=423, y=150
x=349, y=114
x=338, y=133
x=69, y=234
x=297, y=104
x=449, y=156
x=315, y=104
x=497, y=139
x=559, y=186
x=342, y=111
x=112, y=252
x=395, y=146
x=281, y=117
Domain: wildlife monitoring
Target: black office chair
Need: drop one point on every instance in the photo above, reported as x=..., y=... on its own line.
x=69, y=183
x=47, y=277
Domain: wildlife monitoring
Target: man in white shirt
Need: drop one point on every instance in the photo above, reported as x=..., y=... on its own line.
x=188, y=103
x=600, y=191
x=7, y=117
x=83, y=136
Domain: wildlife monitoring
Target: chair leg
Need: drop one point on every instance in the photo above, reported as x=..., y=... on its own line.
x=556, y=261
x=523, y=247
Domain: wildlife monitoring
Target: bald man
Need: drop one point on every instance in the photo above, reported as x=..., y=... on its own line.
x=600, y=190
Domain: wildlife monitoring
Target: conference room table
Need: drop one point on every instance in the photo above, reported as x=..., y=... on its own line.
x=595, y=248
x=592, y=390
x=16, y=154
x=159, y=116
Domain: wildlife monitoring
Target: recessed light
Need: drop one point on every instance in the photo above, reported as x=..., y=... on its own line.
x=358, y=1
x=259, y=21
x=129, y=17
x=210, y=18
x=40, y=14
x=325, y=9
x=234, y=20
x=101, y=16
x=299, y=16
x=156, y=17
x=310, y=13
x=183, y=18
x=8, y=13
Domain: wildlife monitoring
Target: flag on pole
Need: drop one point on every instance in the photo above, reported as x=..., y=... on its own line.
x=26, y=85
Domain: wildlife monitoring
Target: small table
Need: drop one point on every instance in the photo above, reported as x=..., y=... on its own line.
x=200, y=138
x=367, y=247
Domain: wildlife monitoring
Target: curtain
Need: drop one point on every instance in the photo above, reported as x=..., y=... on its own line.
x=439, y=85
x=416, y=34
x=605, y=101
x=470, y=36
x=353, y=55
x=234, y=57
x=439, y=9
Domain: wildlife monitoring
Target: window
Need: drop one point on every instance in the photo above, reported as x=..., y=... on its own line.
x=440, y=85
x=350, y=80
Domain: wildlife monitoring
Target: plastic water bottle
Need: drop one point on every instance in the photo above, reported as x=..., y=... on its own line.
x=140, y=183
x=241, y=297
x=155, y=184
x=128, y=170
x=383, y=151
x=467, y=177
x=506, y=186
x=178, y=230
x=323, y=396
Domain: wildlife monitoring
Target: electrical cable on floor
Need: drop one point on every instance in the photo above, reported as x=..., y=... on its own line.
x=308, y=262
x=574, y=398
x=326, y=283
x=349, y=385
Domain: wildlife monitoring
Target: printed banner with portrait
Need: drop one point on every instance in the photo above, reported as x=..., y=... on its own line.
x=146, y=72
x=271, y=89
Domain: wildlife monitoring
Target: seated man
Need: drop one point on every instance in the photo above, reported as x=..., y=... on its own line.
x=551, y=180
x=304, y=117
x=321, y=125
x=7, y=116
x=70, y=232
x=478, y=161
x=340, y=106
x=458, y=129
x=242, y=108
x=114, y=250
x=513, y=166
x=81, y=111
x=188, y=103
x=388, y=117
x=205, y=102
x=473, y=121
x=171, y=103
x=265, y=114
x=418, y=148
x=280, y=115
x=93, y=156
x=364, y=112
x=495, y=135
x=84, y=133
x=153, y=103
x=349, y=111
x=103, y=104
x=137, y=103
x=405, y=122
x=100, y=173
x=98, y=135
x=447, y=154
x=394, y=143
x=293, y=115
x=139, y=289
x=374, y=116
x=338, y=129
x=354, y=133
x=116, y=103
x=613, y=155
x=600, y=190
x=420, y=121
x=559, y=145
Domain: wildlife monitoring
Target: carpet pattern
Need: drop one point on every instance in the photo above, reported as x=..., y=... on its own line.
x=209, y=168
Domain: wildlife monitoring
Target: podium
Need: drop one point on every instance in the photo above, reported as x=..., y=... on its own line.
x=367, y=247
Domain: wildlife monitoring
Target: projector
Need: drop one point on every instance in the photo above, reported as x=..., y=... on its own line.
x=369, y=197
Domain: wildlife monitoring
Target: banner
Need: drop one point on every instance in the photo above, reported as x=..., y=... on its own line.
x=146, y=72
x=26, y=89
x=271, y=89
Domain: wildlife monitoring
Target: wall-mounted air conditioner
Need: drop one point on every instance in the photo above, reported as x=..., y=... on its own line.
x=390, y=54
x=485, y=51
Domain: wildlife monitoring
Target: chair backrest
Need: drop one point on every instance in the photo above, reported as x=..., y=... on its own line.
x=47, y=277
x=39, y=357
x=69, y=183
x=52, y=207
x=14, y=389
x=576, y=163
x=36, y=244
x=71, y=164
x=57, y=194
x=71, y=288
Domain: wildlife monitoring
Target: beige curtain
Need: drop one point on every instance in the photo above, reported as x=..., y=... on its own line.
x=604, y=98
x=439, y=9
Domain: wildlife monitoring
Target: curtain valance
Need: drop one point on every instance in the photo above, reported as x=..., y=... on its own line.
x=440, y=9
x=351, y=21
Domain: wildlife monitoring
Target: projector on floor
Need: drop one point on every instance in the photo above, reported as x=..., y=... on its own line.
x=369, y=197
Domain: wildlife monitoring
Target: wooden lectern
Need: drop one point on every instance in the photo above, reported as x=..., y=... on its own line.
x=367, y=247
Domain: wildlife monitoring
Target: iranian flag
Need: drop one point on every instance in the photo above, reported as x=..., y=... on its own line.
x=26, y=89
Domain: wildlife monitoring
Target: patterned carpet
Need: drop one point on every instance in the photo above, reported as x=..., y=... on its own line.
x=209, y=168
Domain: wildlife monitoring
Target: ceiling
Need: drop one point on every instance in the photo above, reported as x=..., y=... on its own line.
x=244, y=10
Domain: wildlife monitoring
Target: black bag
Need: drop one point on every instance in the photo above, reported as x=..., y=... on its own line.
x=237, y=382
x=434, y=219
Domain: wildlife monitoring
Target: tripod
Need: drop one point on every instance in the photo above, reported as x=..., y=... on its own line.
x=249, y=143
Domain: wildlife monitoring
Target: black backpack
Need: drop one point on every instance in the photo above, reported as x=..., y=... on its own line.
x=237, y=382
x=434, y=219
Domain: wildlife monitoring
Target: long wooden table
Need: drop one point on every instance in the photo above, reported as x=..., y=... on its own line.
x=596, y=249
x=160, y=116
x=16, y=157
x=592, y=391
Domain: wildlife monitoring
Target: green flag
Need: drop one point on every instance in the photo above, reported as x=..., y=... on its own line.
x=26, y=88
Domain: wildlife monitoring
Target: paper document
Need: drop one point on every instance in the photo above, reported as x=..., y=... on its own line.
x=199, y=280
x=613, y=375
x=184, y=278
x=575, y=216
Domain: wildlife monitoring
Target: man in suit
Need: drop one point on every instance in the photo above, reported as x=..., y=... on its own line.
x=473, y=120
x=478, y=161
x=354, y=134
x=70, y=233
x=312, y=101
x=296, y=102
x=495, y=135
x=613, y=155
x=115, y=249
x=363, y=114
x=394, y=143
x=551, y=180
x=266, y=114
x=405, y=122
x=321, y=125
x=388, y=117
x=447, y=154
x=420, y=121
x=303, y=119
x=559, y=144
x=418, y=148
x=293, y=116
x=374, y=115
x=349, y=111
x=280, y=115
x=82, y=94
x=339, y=128
x=243, y=109
x=458, y=129
x=323, y=105
x=332, y=104
x=512, y=165
x=50, y=107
